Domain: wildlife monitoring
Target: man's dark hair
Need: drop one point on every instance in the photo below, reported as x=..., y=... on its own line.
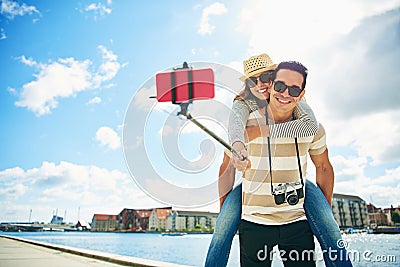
x=295, y=66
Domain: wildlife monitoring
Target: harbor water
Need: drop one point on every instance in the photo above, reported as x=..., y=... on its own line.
x=191, y=249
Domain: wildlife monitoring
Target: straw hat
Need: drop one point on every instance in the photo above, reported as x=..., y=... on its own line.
x=256, y=65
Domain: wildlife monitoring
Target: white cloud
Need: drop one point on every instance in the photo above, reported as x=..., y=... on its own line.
x=108, y=137
x=293, y=35
x=108, y=69
x=13, y=192
x=351, y=178
x=364, y=137
x=2, y=34
x=99, y=9
x=64, y=78
x=213, y=9
x=343, y=89
x=94, y=100
x=28, y=61
x=349, y=169
x=11, y=9
x=66, y=187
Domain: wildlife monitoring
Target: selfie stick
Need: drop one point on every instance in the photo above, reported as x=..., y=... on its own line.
x=184, y=111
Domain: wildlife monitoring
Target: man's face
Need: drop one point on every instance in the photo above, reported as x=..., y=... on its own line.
x=283, y=102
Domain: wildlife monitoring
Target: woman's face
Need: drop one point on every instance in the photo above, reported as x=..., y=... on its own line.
x=258, y=88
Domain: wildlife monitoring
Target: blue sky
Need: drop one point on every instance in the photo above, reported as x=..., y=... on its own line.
x=70, y=70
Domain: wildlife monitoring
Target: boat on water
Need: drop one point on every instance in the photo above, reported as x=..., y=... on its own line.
x=386, y=230
x=173, y=234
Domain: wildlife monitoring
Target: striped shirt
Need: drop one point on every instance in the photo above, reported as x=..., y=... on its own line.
x=258, y=204
x=304, y=125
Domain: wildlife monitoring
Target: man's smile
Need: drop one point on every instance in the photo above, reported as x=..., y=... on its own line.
x=283, y=101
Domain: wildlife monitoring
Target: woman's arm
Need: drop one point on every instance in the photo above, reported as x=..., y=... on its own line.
x=237, y=121
x=304, y=125
x=236, y=130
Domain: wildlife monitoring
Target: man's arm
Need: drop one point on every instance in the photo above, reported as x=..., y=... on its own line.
x=324, y=174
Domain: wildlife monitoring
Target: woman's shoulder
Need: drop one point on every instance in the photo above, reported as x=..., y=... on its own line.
x=245, y=104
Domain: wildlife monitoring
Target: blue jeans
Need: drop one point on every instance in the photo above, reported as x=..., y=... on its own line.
x=319, y=215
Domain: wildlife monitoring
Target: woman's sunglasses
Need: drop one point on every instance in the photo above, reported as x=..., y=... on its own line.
x=294, y=90
x=264, y=78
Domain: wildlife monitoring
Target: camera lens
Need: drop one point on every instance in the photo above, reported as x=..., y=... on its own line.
x=292, y=199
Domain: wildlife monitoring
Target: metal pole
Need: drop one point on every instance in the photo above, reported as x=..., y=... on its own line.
x=221, y=141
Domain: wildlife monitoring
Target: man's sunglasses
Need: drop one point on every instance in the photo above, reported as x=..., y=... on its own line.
x=264, y=78
x=294, y=90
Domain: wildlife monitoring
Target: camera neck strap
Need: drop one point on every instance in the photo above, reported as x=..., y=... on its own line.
x=270, y=156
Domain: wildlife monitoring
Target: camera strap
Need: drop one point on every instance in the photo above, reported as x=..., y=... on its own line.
x=298, y=161
x=270, y=158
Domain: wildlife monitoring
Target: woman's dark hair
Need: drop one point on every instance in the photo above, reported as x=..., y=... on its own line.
x=246, y=94
x=295, y=66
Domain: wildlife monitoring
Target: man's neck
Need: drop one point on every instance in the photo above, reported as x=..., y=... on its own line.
x=279, y=117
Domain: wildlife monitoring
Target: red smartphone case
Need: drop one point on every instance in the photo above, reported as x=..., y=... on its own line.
x=183, y=85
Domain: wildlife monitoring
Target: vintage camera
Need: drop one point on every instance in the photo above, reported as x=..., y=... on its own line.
x=289, y=192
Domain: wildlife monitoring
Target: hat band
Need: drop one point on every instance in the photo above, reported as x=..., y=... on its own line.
x=259, y=69
x=255, y=70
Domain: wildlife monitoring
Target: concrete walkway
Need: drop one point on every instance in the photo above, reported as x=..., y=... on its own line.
x=20, y=252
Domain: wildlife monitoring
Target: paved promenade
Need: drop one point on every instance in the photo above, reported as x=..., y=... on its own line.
x=19, y=252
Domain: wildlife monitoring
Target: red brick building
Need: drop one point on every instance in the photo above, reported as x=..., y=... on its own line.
x=128, y=220
x=144, y=216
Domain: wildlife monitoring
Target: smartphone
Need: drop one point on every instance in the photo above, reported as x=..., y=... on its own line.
x=183, y=85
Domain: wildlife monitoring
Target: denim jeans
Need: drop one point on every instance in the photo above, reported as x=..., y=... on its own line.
x=319, y=215
x=324, y=226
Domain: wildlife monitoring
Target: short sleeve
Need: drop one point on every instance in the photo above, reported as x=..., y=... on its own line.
x=318, y=145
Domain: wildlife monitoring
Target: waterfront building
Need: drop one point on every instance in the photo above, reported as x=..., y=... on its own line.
x=377, y=217
x=349, y=211
x=144, y=216
x=158, y=219
x=104, y=223
x=389, y=212
x=56, y=220
x=189, y=220
x=128, y=220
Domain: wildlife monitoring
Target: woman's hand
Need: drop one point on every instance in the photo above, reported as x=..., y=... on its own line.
x=241, y=165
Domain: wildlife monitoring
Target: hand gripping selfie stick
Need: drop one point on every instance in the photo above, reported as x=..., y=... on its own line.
x=193, y=84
